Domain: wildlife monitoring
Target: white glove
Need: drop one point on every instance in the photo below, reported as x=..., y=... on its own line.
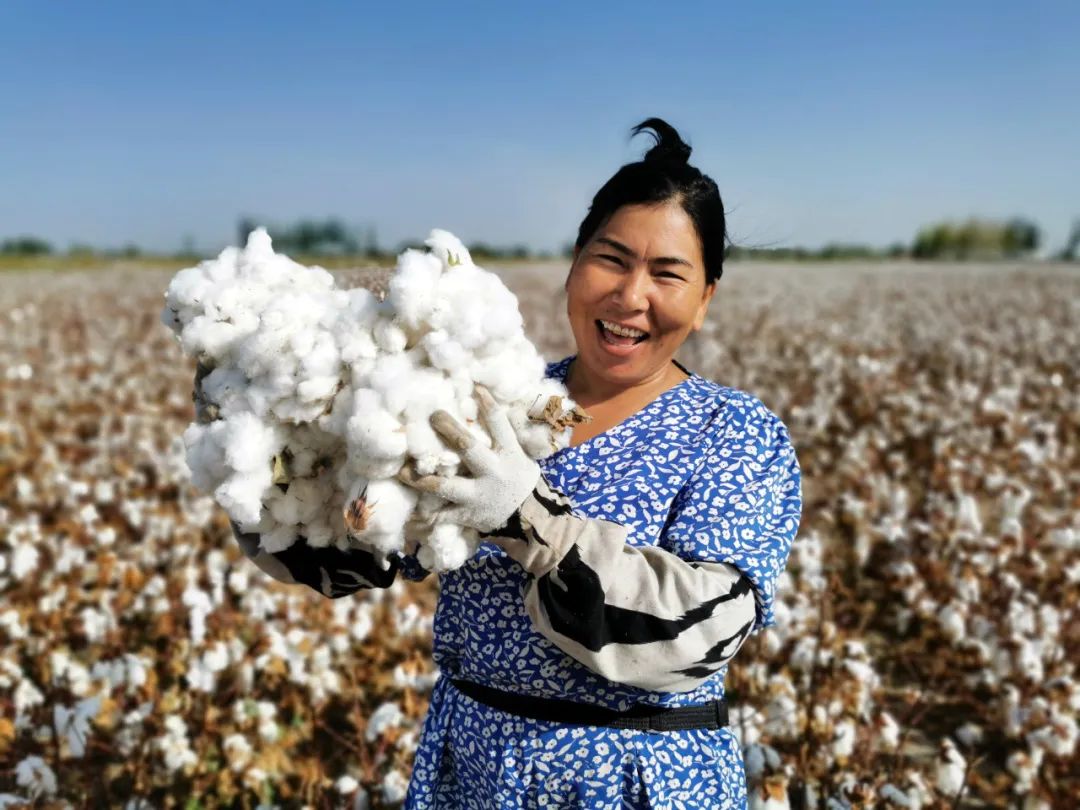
x=503, y=475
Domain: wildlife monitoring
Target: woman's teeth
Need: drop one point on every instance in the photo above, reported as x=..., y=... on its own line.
x=620, y=335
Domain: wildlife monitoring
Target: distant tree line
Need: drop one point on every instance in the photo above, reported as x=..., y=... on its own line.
x=331, y=237
x=310, y=237
x=977, y=239
x=830, y=252
x=970, y=239
x=1071, y=251
x=33, y=246
x=25, y=246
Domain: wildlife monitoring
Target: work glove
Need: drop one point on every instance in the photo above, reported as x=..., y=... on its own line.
x=503, y=475
x=508, y=500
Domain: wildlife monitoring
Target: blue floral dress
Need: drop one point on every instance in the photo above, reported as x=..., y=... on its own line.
x=672, y=474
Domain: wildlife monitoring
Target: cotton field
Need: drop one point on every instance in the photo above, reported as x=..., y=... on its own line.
x=926, y=647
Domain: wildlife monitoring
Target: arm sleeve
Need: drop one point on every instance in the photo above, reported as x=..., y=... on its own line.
x=330, y=571
x=662, y=619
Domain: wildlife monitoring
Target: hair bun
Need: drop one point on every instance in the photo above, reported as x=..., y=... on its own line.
x=669, y=147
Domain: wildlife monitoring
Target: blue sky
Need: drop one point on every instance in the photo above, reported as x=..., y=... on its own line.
x=152, y=122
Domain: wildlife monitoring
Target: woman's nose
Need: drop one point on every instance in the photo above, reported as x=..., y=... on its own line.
x=632, y=291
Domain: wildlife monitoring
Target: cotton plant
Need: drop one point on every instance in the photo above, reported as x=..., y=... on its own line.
x=311, y=398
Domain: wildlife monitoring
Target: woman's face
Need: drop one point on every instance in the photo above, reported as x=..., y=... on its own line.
x=643, y=269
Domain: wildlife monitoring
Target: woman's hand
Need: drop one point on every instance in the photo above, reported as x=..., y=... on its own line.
x=503, y=475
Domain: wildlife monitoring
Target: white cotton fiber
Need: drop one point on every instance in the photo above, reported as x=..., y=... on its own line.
x=279, y=538
x=318, y=534
x=205, y=456
x=444, y=352
x=390, y=337
x=317, y=388
x=374, y=433
x=300, y=502
x=241, y=496
x=414, y=288
x=317, y=396
x=448, y=546
x=250, y=443
x=228, y=388
x=390, y=503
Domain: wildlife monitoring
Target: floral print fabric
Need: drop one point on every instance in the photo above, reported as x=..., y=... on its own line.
x=704, y=471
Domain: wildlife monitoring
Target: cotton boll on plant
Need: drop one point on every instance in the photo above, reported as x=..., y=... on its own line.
x=313, y=398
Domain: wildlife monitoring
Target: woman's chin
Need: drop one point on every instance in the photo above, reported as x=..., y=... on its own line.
x=627, y=369
x=615, y=359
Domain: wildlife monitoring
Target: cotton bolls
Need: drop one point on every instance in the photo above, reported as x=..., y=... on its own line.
x=448, y=547
x=228, y=458
x=312, y=398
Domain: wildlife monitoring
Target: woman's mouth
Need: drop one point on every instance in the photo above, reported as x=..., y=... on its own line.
x=619, y=336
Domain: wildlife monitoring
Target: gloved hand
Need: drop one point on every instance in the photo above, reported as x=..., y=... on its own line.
x=503, y=475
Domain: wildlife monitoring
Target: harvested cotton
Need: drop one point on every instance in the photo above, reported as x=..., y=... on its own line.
x=311, y=398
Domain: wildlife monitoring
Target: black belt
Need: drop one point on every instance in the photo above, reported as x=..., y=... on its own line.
x=710, y=715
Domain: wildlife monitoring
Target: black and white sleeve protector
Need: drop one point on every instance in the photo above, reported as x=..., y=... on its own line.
x=641, y=616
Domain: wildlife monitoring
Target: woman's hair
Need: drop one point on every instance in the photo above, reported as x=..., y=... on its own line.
x=664, y=175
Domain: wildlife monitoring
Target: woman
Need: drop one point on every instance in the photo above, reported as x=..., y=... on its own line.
x=583, y=648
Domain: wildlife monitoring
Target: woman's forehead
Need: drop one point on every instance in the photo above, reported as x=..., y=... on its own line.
x=661, y=232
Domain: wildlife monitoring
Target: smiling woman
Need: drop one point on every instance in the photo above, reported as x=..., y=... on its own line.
x=583, y=649
x=646, y=262
x=634, y=293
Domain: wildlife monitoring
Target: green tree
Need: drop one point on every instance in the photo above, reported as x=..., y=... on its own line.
x=1072, y=246
x=1020, y=237
x=371, y=243
x=78, y=250
x=932, y=242
x=976, y=239
x=25, y=246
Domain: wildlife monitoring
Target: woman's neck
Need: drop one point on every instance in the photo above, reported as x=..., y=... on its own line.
x=588, y=391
